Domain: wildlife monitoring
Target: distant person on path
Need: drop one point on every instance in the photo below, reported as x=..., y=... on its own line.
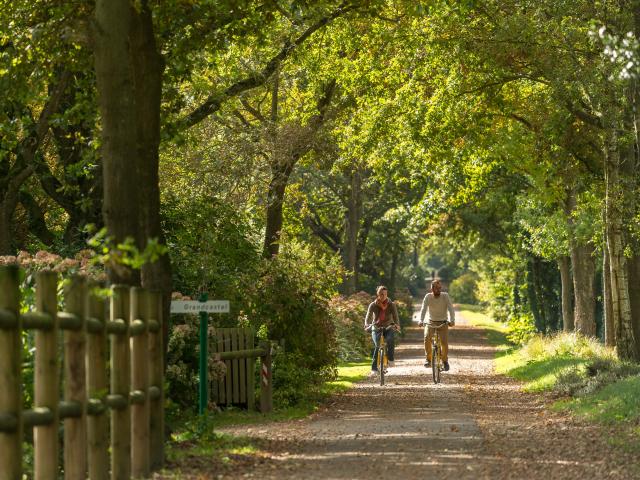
x=382, y=313
x=436, y=303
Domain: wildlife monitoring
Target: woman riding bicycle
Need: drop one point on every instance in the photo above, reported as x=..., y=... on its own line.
x=437, y=303
x=382, y=315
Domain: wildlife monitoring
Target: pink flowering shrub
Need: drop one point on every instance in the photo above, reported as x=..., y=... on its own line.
x=83, y=263
x=183, y=353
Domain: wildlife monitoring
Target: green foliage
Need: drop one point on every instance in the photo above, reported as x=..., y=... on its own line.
x=544, y=359
x=520, y=327
x=285, y=299
x=291, y=300
x=125, y=253
x=592, y=376
x=463, y=289
x=592, y=381
x=348, y=317
x=404, y=304
x=294, y=383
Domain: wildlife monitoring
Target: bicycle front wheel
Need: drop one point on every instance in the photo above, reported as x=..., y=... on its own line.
x=381, y=365
x=435, y=363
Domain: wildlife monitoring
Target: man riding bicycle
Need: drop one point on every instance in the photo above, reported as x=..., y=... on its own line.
x=437, y=303
x=382, y=314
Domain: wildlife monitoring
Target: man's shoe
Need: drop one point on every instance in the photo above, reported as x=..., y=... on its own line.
x=392, y=363
x=427, y=364
x=446, y=366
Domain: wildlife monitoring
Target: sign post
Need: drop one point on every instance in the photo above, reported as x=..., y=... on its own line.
x=203, y=307
x=203, y=394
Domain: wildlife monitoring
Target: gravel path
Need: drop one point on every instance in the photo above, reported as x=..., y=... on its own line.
x=474, y=425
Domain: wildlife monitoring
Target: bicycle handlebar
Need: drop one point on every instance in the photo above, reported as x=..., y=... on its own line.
x=377, y=329
x=430, y=325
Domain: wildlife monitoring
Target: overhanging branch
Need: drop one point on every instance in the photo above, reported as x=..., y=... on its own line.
x=215, y=101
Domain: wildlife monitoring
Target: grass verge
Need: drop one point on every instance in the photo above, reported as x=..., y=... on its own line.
x=590, y=381
x=496, y=332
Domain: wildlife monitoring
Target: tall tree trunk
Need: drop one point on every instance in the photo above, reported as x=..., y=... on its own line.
x=620, y=295
x=24, y=165
x=148, y=66
x=634, y=296
x=116, y=95
x=351, y=234
x=584, y=268
x=607, y=307
x=6, y=214
x=285, y=156
x=567, y=294
x=533, y=293
x=281, y=171
x=632, y=172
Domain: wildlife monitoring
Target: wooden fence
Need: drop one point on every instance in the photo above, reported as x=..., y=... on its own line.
x=235, y=346
x=125, y=334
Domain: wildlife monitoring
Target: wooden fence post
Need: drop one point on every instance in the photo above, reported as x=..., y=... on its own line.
x=47, y=379
x=139, y=383
x=266, y=387
x=156, y=379
x=10, y=373
x=120, y=383
x=97, y=425
x=75, y=429
x=251, y=373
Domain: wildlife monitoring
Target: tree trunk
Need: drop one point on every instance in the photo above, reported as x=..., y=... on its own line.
x=351, y=234
x=116, y=100
x=281, y=171
x=533, y=293
x=23, y=167
x=6, y=247
x=634, y=296
x=148, y=66
x=567, y=294
x=584, y=268
x=607, y=307
x=620, y=295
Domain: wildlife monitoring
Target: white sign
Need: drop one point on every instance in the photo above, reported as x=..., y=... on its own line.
x=193, y=306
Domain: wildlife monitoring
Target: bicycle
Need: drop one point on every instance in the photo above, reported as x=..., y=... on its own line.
x=382, y=360
x=437, y=364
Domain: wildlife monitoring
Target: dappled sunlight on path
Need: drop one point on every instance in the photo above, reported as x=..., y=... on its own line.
x=474, y=425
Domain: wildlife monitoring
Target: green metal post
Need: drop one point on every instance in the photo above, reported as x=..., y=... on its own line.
x=203, y=401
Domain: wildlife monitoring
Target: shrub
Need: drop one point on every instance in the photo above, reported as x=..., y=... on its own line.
x=348, y=317
x=404, y=302
x=463, y=289
x=594, y=375
x=183, y=351
x=521, y=328
x=290, y=302
x=293, y=383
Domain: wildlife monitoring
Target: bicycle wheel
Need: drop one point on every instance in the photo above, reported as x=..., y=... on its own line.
x=435, y=363
x=381, y=365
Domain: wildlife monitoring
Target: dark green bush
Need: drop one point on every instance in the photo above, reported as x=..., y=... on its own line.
x=463, y=289
x=293, y=383
x=348, y=315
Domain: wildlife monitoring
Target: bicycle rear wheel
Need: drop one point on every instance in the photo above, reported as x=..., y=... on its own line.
x=435, y=363
x=381, y=365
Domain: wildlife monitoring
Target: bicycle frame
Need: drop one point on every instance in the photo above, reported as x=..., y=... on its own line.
x=437, y=364
x=382, y=361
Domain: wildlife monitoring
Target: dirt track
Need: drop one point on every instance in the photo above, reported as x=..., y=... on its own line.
x=476, y=424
